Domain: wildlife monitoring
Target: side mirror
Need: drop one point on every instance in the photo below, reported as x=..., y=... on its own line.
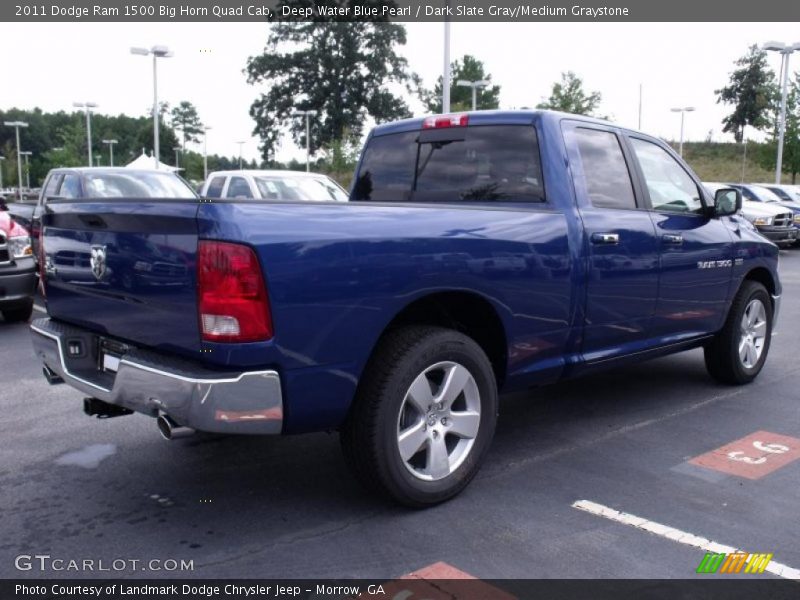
x=727, y=201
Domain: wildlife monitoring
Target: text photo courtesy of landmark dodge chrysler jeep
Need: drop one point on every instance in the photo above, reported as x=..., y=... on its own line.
x=479, y=253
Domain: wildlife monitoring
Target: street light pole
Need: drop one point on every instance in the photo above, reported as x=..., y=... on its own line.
x=307, y=114
x=785, y=51
x=446, y=69
x=110, y=150
x=177, y=150
x=241, y=143
x=482, y=83
x=157, y=52
x=16, y=125
x=205, y=152
x=683, y=111
x=26, y=154
x=88, y=106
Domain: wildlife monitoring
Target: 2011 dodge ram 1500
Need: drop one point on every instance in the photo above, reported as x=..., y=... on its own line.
x=479, y=253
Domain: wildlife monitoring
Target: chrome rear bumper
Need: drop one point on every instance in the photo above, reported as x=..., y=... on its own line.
x=153, y=384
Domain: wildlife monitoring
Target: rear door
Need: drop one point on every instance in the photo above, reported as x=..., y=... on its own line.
x=622, y=247
x=124, y=268
x=696, y=249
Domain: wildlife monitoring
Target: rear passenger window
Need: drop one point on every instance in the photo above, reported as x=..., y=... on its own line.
x=670, y=187
x=605, y=171
x=238, y=188
x=480, y=163
x=51, y=189
x=215, y=187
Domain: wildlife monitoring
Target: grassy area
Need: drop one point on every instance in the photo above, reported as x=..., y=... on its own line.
x=723, y=162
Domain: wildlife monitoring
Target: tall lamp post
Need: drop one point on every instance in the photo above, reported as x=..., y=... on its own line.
x=88, y=106
x=27, y=154
x=474, y=85
x=110, y=144
x=307, y=114
x=157, y=52
x=205, y=152
x=241, y=143
x=683, y=112
x=16, y=125
x=177, y=154
x=785, y=51
x=446, y=66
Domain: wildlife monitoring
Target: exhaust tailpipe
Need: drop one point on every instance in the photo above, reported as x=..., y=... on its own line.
x=170, y=430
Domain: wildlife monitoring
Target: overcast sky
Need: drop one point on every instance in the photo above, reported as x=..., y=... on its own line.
x=678, y=64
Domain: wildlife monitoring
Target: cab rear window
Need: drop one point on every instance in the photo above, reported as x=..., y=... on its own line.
x=482, y=163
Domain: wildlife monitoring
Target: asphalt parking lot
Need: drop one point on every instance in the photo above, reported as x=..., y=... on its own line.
x=77, y=488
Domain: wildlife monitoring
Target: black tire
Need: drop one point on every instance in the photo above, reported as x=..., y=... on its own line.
x=370, y=435
x=19, y=314
x=722, y=353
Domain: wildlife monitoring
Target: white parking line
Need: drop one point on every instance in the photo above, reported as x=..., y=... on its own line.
x=39, y=308
x=676, y=535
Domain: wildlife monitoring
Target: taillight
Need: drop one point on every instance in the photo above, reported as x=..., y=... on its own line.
x=440, y=121
x=232, y=298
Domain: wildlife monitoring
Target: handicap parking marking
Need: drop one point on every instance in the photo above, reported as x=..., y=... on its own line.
x=441, y=581
x=681, y=537
x=752, y=456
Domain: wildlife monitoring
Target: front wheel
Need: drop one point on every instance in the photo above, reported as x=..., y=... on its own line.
x=424, y=416
x=737, y=354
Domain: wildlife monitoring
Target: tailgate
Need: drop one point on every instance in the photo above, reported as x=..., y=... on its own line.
x=125, y=268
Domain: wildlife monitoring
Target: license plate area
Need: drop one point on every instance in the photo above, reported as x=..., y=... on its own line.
x=110, y=352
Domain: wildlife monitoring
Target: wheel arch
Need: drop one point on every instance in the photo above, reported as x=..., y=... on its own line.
x=467, y=312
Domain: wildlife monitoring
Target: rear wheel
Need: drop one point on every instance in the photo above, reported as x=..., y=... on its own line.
x=738, y=352
x=424, y=416
x=18, y=314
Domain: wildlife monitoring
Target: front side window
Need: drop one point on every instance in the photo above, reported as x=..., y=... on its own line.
x=215, y=187
x=482, y=163
x=70, y=186
x=608, y=182
x=670, y=187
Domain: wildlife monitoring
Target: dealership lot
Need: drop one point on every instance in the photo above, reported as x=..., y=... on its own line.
x=635, y=440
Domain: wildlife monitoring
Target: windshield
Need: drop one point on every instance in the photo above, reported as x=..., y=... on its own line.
x=764, y=194
x=302, y=188
x=137, y=184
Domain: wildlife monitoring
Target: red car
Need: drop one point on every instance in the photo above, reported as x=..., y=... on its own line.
x=17, y=271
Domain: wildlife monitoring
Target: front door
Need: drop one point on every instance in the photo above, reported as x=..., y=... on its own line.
x=696, y=249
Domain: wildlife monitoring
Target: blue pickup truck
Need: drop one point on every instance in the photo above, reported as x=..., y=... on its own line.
x=479, y=253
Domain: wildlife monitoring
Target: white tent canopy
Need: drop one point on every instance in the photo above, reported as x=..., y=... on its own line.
x=146, y=162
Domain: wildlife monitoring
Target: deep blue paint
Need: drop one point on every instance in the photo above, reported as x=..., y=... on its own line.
x=338, y=274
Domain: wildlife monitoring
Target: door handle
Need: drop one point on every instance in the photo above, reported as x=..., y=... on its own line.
x=605, y=238
x=672, y=238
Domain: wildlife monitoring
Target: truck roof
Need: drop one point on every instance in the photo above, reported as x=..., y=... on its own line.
x=265, y=172
x=488, y=117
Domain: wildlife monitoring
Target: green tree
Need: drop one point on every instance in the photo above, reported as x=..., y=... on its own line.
x=752, y=91
x=569, y=96
x=768, y=153
x=340, y=69
x=185, y=119
x=470, y=69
